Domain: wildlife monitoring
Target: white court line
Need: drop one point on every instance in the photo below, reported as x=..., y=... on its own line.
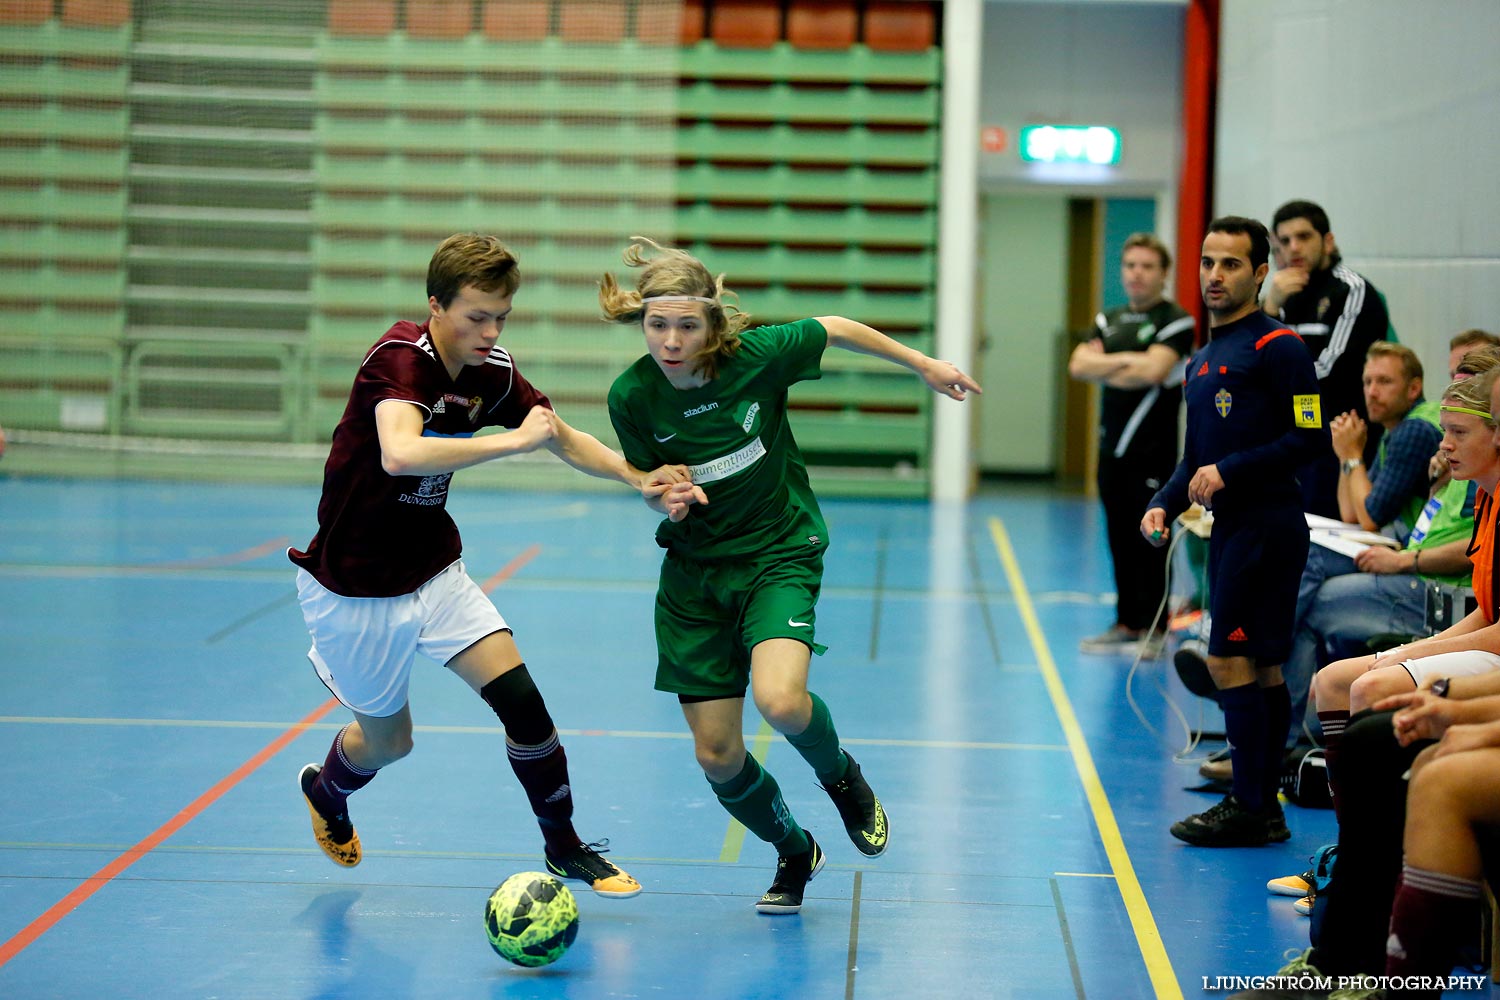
x=63, y=720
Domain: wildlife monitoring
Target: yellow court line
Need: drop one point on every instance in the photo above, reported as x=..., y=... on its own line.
x=734, y=837
x=1148, y=938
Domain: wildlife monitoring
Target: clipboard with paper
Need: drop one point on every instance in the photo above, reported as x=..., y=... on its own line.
x=1339, y=536
x=1346, y=539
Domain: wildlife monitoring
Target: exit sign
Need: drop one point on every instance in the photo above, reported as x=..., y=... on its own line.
x=1097, y=144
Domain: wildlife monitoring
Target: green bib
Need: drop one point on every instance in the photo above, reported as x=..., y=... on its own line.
x=1442, y=521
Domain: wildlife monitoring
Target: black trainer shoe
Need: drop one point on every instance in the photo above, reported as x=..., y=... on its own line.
x=1276, y=830
x=862, y=813
x=1230, y=824
x=1191, y=663
x=584, y=863
x=792, y=875
x=334, y=834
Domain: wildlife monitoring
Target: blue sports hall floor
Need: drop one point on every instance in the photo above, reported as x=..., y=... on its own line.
x=156, y=705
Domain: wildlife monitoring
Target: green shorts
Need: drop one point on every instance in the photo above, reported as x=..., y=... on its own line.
x=710, y=615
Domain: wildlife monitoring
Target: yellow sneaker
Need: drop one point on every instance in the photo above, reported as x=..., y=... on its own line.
x=1291, y=885
x=336, y=836
x=585, y=863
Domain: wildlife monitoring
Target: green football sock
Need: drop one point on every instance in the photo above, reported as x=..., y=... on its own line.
x=819, y=744
x=754, y=798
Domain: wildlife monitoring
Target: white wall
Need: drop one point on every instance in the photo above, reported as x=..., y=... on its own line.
x=1386, y=113
x=1085, y=63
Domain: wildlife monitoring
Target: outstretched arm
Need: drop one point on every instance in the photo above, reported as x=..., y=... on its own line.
x=588, y=454
x=405, y=452
x=942, y=377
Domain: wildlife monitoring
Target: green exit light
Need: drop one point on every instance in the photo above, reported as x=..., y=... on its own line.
x=1095, y=144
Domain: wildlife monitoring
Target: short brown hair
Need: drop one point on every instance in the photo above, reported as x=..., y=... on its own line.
x=465, y=259
x=1476, y=337
x=1150, y=242
x=1411, y=367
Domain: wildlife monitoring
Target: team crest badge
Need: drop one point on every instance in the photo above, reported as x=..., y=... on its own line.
x=1323, y=305
x=1146, y=332
x=1223, y=401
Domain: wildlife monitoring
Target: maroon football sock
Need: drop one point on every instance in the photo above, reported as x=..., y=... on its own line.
x=1432, y=914
x=338, y=780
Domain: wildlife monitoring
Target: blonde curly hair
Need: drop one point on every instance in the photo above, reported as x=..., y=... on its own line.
x=669, y=271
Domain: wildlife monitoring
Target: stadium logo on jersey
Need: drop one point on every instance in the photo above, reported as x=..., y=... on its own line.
x=750, y=417
x=700, y=409
x=1223, y=401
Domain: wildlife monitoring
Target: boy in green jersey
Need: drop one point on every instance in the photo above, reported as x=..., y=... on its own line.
x=736, y=605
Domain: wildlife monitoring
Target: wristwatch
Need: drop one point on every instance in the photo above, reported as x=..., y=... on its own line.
x=1349, y=465
x=1439, y=688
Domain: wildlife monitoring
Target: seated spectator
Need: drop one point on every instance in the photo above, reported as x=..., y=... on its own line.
x=1451, y=813
x=1471, y=645
x=1463, y=343
x=1367, y=763
x=1352, y=916
x=1387, y=595
x=1393, y=491
x=1469, y=353
x=1404, y=892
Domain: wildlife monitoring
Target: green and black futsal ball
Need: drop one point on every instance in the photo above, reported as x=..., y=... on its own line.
x=531, y=918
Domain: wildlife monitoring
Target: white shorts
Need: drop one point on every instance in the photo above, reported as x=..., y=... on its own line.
x=1468, y=663
x=363, y=647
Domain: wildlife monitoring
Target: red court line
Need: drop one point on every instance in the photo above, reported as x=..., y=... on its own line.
x=103, y=876
x=510, y=569
x=244, y=555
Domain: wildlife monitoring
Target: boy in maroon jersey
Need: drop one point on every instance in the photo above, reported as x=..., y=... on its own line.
x=383, y=580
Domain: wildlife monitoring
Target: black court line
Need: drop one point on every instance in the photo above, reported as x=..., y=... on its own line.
x=977, y=580
x=879, y=596
x=1067, y=937
x=853, y=965
x=259, y=612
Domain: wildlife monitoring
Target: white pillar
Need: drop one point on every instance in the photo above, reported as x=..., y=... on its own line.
x=958, y=241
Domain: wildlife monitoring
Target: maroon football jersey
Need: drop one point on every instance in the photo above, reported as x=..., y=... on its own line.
x=381, y=535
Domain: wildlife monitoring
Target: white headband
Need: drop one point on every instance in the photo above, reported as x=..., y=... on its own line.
x=680, y=298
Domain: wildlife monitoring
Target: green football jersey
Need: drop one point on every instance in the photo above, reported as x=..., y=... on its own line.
x=734, y=436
